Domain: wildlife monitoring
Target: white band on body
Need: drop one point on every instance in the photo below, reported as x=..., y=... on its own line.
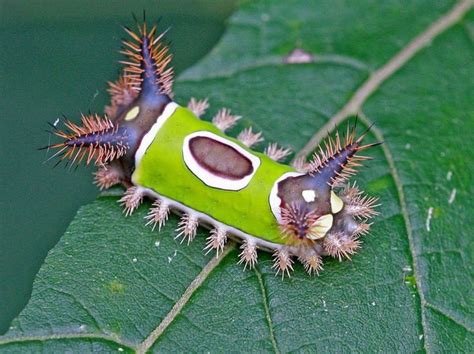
x=274, y=199
x=150, y=136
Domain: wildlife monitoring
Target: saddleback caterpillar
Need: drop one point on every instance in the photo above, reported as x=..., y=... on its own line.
x=161, y=150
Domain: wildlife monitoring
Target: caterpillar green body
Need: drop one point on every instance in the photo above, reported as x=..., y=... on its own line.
x=160, y=150
x=229, y=207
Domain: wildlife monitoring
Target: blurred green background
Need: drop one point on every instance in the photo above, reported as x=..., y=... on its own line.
x=55, y=58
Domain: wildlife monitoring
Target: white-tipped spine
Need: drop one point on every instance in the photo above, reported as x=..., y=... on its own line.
x=282, y=262
x=361, y=229
x=216, y=240
x=250, y=138
x=301, y=165
x=158, y=214
x=248, y=256
x=106, y=177
x=187, y=227
x=277, y=153
x=132, y=199
x=198, y=107
x=224, y=120
x=312, y=262
x=339, y=245
x=362, y=207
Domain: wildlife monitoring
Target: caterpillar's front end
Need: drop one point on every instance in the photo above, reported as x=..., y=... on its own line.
x=160, y=150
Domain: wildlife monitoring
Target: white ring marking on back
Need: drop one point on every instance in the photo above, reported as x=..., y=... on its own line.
x=211, y=179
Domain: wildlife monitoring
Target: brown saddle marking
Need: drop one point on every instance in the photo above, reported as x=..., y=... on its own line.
x=220, y=159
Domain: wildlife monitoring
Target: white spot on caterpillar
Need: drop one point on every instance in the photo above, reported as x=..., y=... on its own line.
x=120, y=349
x=428, y=219
x=134, y=260
x=336, y=203
x=133, y=113
x=170, y=259
x=308, y=195
x=408, y=146
x=452, y=196
x=56, y=122
x=157, y=244
x=449, y=176
x=373, y=303
x=321, y=227
x=420, y=337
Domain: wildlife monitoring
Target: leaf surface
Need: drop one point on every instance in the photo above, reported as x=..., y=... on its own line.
x=113, y=284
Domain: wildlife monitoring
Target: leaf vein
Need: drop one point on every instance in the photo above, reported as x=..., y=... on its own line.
x=75, y=299
x=267, y=310
x=152, y=284
x=404, y=211
x=450, y=317
x=354, y=105
x=275, y=60
x=179, y=305
x=66, y=336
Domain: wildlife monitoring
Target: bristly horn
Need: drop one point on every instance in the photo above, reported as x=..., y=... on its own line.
x=97, y=139
x=147, y=62
x=337, y=162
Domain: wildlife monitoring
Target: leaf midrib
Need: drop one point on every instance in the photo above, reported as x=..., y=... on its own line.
x=403, y=209
x=353, y=106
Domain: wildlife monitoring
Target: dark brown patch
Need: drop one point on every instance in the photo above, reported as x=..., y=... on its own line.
x=220, y=159
x=290, y=192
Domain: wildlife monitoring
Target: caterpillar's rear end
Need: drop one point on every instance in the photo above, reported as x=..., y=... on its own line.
x=159, y=150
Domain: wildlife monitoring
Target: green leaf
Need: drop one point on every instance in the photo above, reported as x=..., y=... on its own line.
x=112, y=284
